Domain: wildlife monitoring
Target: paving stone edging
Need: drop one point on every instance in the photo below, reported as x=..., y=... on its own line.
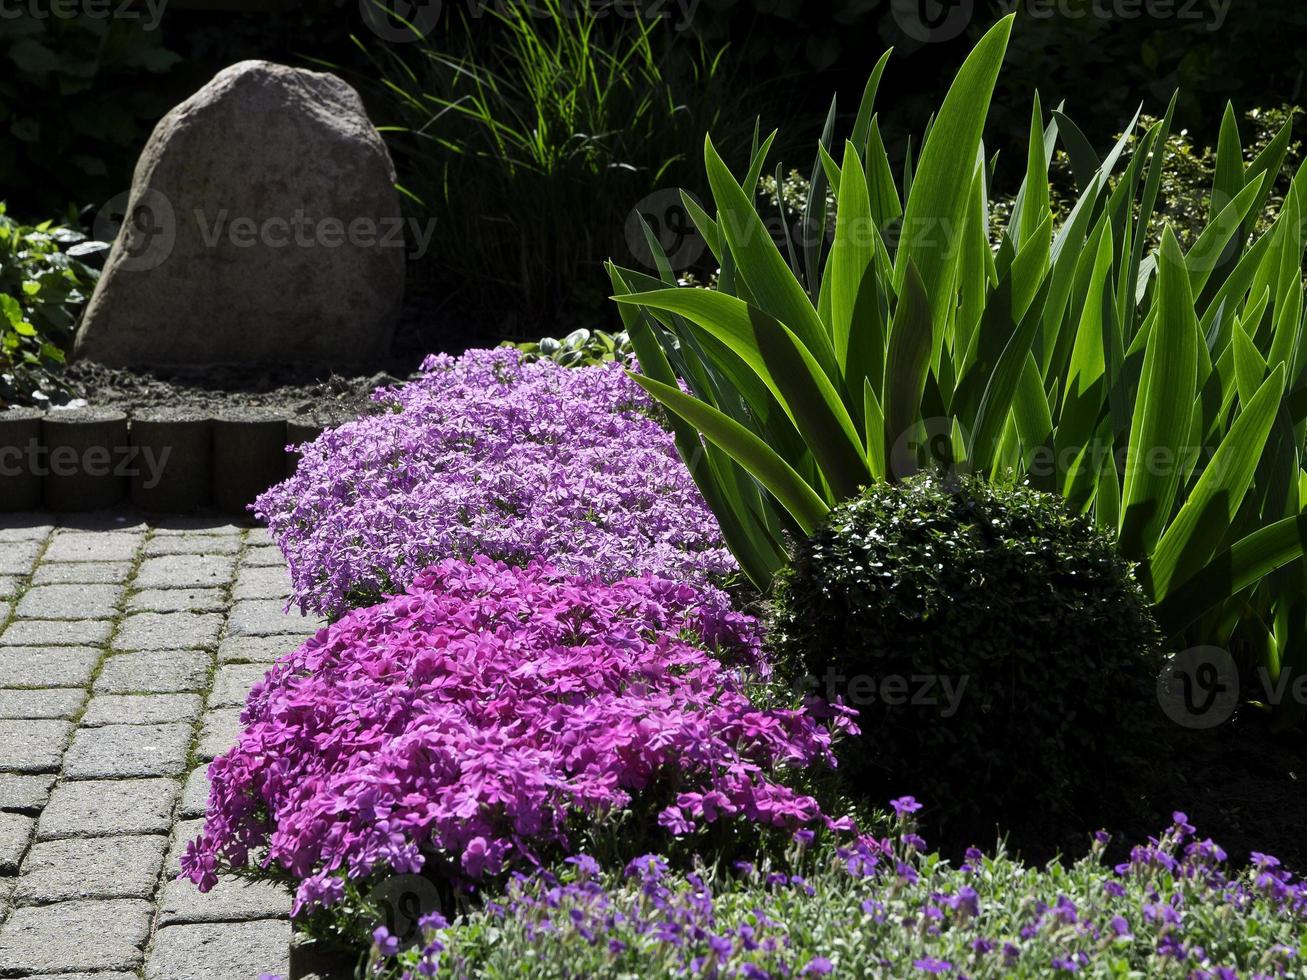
x=126, y=651
x=161, y=462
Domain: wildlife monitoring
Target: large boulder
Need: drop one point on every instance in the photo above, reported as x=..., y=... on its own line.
x=262, y=227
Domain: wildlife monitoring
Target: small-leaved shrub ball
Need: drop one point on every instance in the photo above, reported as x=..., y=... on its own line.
x=998, y=650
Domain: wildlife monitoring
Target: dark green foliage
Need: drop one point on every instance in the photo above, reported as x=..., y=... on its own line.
x=1001, y=596
x=43, y=287
x=78, y=98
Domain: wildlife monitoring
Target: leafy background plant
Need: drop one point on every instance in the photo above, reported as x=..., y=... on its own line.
x=44, y=283
x=78, y=97
x=1070, y=355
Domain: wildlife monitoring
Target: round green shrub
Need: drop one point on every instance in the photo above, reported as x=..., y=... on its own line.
x=998, y=649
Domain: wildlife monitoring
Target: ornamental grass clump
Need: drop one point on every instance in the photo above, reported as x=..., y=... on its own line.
x=495, y=717
x=1000, y=655
x=882, y=908
x=489, y=454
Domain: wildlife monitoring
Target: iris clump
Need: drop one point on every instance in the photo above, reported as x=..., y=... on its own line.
x=487, y=454
x=882, y=907
x=492, y=718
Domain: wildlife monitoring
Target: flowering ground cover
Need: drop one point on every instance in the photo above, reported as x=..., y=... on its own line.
x=883, y=907
x=488, y=454
x=494, y=717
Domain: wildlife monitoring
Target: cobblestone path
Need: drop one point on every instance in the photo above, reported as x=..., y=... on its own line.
x=127, y=649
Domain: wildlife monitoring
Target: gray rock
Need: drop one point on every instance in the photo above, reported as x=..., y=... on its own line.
x=59, y=702
x=70, y=936
x=93, y=868
x=225, y=951
x=128, y=752
x=250, y=207
x=8, y=586
x=46, y=666
x=106, y=808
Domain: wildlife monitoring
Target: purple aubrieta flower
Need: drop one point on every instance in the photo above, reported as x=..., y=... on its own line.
x=387, y=945
x=819, y=966
x=488, y=454
x=929, y=964
x=904, y=806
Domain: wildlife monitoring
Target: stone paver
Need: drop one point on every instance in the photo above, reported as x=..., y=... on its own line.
x=195, y=796
x=140, y=709
x=271, y=582
x=15, y=832
x=168, y=631
x=93, y=546
x=178, y=600
x=231, y=685
x=32, y=746
x=90, y=868
x=268, y=617
x=70, y=602
x=256, y=649
x=24, y=793
x=70, y=936
x=59, y=702
x=263, y=556
x=56, y=633
x=233, y=899
x=127, y=653
x=82, y=573
x=220, y=951
x=128, y=752
x=105, y=808
x=154, y=672
x=193, y=544
x=185, y=571
x=18, y=557
x=218, y=733
x=39, y=667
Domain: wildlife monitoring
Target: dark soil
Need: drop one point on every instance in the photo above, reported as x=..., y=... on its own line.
x=326, y=398
x=1242, y=784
